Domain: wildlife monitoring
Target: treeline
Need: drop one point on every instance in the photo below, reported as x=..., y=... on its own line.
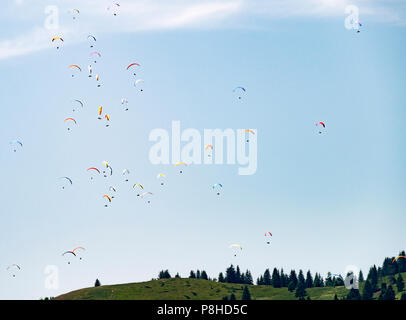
x=375, y=283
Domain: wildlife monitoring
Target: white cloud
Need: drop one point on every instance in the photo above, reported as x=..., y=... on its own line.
x=142, y=15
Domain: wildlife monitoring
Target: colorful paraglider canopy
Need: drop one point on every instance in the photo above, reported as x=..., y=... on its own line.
x=217, y=185
x=132, y=64
x=398, y=258
x=249, y=130
x=91, y=37
x=78, y=248
x=268, y=233
x=70, y=119
x=14, y=266
x=95, y=52
x=181, y=162
x=108, y=198
x=235, y=245
x=321, y=123
x=209, y=146
x=67, y=179
x=75, y=66
x=93, y=168
x=146, y=194
x=239, y=88
x=137, y=184
x=160, y=175
x=57, y=38
x=16, y=143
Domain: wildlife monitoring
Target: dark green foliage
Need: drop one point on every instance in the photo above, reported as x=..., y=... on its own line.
x=367, y=293
x=399, y=283
x=97, y=283
x=246, y=294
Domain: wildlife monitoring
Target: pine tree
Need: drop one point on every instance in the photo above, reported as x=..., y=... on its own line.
x=267, y=278
x=198, y=274
x=225, y=298
x=177, y=275
x=361, y=276
x=232, y=297
x=246, y=294
x=291, y=286
x=389, y=294
x=367, y=293
x=276, y=280
x=260, y=281
x=282, y=279
x=221, y=277
x=230, y=275
x=383, y=291
x=301, y=278
x=238, y=275
x=335, y=297
x=167, y=274
x=403, y=296
x=353, y=295
x=399, y=283
x=192, y=275
x=401, y=262
x=248, y=277
x=97, y=283
x=309, y=280
x=373, y=278
x=300, y=290
x=293, y=278
x=204, y=275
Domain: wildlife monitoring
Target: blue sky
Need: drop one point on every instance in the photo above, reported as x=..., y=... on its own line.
x=330, y=200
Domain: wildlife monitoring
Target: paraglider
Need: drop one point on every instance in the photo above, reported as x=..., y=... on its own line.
x=78, y=248
x=60, y=40
x=249, y=131
x=138, y=185
x=107, y=118
x=75, y=67
x=236, y=245
x=15, y=144
x=93, y=170
x=138, y=81
x=70, y=120
x=106, y=164
x=69, y=253
x=146, y=194
x=95, y=53
x=114, y=8
x=78, y=102
x=126, y=172
x=108, y=198
x=239, y=91
x=319, y=125
x=92, y=39
x=396, y=259
x=112, y=189
x=207, y=147
x=124, y=101
x=131, y=65
x=267, y=234
x=217, y=187
x=100, y=112
x=161, y=176
x=97, y=79
x=13, y=268
x=179, y=163
x=66, y=181
x=89, y=68
x=75, y=13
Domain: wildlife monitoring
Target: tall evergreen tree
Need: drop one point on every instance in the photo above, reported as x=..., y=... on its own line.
x=192, y=275
x=389, y=294
x=301, y=278
x=267, y=277
x=291, y=286
x=97, y=283
x=198, y=274
x=367, y=292
x=230, y=275
x=248, y=277
x=238, y=275
x=335, y=297
x=300, y=290
x=399, y=283
x=309, y=280
x=282, y=279
x=401, y=262
x=232, y=297
x=373, y=278
x=293, y=278
x=221, y=277
x=204, y=275
x=177, y=275
x=361, y=276
x=383, y=291
x=276, y=280
x=260, y=281
x=246, y=294
x=353, y=295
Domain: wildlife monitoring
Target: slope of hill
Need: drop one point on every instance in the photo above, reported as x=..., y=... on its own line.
x=192, y=289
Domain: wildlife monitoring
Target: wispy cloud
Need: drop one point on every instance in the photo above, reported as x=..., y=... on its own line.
x=144, y=15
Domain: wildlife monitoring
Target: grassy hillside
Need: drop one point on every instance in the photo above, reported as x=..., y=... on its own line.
x=197, y=289
x=191, y=289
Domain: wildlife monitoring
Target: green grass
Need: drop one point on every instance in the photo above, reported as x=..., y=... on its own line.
x=192, y=289
x=197, y=289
